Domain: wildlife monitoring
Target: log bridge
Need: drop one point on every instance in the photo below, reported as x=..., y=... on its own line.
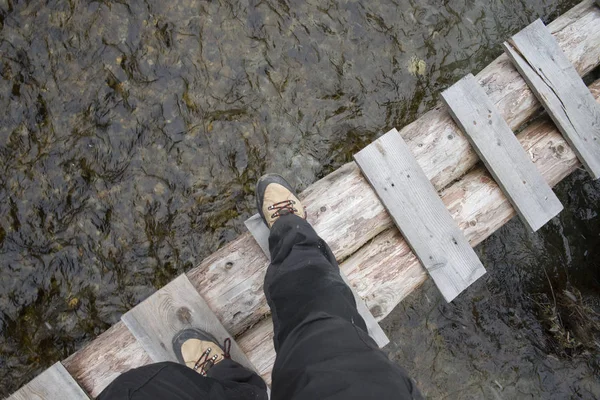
x=360, y=209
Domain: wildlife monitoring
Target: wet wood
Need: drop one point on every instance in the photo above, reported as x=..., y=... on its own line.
x=350, y=217
x=55, y=383
x=557, y=85
x=177, y=306
x=419, y=213
x=260, y=232
x=501, y=152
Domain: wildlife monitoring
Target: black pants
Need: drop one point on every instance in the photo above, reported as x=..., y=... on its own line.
x=323, y=349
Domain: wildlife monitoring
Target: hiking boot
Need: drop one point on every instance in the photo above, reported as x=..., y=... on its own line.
x=199, y=350
x=275, y=197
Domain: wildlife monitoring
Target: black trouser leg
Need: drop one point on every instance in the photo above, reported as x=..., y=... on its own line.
x=323, y=349
x=226, y=380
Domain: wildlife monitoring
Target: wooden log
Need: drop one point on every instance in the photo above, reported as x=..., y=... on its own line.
x=501, y=152
x=344, y=209
x=55, y=383
x=386, y=271
x=231, y=279
x=559, y=88
x=260, y=232
x=419, y=213
x=100, y=362
x=177, y=306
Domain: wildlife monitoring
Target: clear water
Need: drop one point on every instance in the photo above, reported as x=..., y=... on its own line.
x=530, y=328
x=133, y=132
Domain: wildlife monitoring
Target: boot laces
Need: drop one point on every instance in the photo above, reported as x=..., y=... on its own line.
x=286, y=205
x=205, y=362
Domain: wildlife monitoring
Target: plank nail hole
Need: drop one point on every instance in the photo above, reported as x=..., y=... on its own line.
x=393, y=184
x=524, y=182
x=454, y=241
x=323, y=209
x=228, y=264
x=408, y=175
x=474, y=122
x=450, y=137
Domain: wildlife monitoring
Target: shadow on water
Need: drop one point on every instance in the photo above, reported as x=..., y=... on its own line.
x=133, y=132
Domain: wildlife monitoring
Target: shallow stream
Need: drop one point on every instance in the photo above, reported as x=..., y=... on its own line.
x=132, y=133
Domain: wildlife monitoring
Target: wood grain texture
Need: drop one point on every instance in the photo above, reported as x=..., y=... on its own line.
x=259, y=231
x=347, y=213
x=112, y=353
x=175, y=307
x=501, y=152
x=475, y=202
x=538, y=57
x=419, y=213
x=55, y=383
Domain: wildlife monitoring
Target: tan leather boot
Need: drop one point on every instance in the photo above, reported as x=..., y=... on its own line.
x=199, y=350
x=276, y=197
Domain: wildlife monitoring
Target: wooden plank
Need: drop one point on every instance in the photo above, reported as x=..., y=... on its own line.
x=469, y=200
x=261, y=233
x=419, y=213
x=354, y=221
x=347, y=213
x=175, y=307
x=501, y=152
x=55, y=383
x=550, y=75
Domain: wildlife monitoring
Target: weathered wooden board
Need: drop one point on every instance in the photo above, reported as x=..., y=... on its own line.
x=257, y=228
x=260, y=232
x=175, y=307
x=348, y=215
x=547, y=70
x=469, y=200
x=501, y=152
x=55, y=383
x=420, y=214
